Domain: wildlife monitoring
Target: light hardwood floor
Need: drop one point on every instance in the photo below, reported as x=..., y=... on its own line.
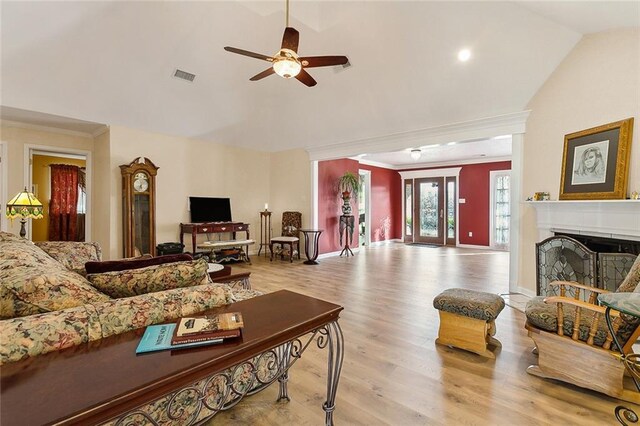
x=393, y=371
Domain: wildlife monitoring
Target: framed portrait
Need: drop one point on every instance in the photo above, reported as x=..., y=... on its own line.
x=595, y=162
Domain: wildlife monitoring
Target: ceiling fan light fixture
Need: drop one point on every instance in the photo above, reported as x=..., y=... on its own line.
x=287, y=67
x=416, y=153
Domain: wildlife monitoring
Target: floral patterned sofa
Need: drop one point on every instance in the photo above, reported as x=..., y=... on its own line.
x=46, y=304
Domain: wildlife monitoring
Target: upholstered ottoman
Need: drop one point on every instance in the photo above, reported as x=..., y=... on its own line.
x=467, y=319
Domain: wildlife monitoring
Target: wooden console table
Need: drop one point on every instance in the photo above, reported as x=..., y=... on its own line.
x=105, y=380
x=211, y=228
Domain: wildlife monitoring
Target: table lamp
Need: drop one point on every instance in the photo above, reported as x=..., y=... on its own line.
x=24, y=205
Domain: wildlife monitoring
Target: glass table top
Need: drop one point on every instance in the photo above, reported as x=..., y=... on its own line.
x=628, y=303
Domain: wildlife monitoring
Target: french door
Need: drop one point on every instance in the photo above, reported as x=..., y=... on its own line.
x=429, y=210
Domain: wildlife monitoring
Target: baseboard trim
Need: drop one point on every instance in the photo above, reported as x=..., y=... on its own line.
x=336, y=253
x=526, y=291
x=474, y=247
x=385, y=242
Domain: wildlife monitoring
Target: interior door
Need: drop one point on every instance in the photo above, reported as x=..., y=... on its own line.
x=429, y=211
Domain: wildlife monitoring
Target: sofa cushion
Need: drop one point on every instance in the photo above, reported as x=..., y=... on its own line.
x=39, y=334
x=72, y=255
x=133, y=282
x=7, y=236
x=123, y=265
x=32, y=282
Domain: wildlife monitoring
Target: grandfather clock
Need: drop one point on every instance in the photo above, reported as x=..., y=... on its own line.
x=139, y=207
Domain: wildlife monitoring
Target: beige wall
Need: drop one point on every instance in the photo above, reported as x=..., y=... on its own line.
x=597, y=83
x=188, y=167
x=290, y=187
x=17, y=138
x=102, y=194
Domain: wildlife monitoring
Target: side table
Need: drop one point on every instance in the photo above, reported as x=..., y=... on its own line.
x=311, y=238
x=626, y=303
x=347, y=223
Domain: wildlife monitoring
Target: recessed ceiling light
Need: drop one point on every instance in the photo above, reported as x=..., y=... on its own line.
x=502, y=137
x=452, y=143
x=464, y=55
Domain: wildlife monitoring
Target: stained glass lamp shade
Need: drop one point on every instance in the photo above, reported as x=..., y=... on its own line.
x=24, y=205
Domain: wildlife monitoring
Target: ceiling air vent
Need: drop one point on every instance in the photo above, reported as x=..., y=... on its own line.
x=184, y=75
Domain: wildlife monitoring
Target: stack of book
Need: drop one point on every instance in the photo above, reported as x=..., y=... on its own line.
x=190, y=332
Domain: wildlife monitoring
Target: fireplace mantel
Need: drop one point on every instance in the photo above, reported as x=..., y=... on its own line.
x=619, y=219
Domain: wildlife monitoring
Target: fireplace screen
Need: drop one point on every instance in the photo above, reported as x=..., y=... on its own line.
x=563, y=259
x=613, y=269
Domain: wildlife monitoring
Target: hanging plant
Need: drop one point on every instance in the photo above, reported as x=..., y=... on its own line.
x=349, y=184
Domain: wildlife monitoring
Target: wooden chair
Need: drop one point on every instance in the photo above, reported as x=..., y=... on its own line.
x=573, y=342
x=289, y=242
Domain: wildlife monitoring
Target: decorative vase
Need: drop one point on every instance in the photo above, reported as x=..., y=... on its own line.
x=346, y=202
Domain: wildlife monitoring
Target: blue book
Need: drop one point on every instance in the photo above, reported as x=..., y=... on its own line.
x=158, y=338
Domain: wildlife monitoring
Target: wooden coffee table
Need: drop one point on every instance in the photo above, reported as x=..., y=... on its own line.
x=105, y=380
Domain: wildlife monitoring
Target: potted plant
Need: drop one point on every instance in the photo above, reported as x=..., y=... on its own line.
x=348, y=184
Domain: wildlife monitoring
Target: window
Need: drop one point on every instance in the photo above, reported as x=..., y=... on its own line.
x=500, y=209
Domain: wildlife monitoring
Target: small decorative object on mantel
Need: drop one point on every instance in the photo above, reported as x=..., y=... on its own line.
x=595, y=162
x=635, y=195
x=349, y=185
x=541, y=196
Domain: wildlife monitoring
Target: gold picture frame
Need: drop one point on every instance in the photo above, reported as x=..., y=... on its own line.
x=595, y=162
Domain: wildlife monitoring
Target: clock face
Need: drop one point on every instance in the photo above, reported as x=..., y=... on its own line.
x=140, y=182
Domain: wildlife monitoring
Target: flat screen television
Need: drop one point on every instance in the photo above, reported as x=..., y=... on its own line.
x=209, y=209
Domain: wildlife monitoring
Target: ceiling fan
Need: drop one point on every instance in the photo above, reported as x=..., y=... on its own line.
x=286, y=63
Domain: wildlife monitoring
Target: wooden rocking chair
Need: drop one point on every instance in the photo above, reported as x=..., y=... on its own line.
x=574, y=344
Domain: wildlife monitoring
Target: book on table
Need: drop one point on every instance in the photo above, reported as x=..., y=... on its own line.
x=210, y=327
x=158, y=338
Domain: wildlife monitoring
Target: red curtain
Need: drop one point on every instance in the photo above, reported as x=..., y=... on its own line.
x=63, y=208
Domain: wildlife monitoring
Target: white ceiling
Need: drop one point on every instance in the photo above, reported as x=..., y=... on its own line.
x=480, y=151
x=112, y=62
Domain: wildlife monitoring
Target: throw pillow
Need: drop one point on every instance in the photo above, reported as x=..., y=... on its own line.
x=32, y=282
x=132, y=282
x=72, y=255
x=124, y=264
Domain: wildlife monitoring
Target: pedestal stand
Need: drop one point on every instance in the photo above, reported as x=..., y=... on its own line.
x=265, y=231
x=347, y=222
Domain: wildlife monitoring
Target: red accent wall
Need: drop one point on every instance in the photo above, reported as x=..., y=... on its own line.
x=474, y=187
x=329, y=203
x=386, y=203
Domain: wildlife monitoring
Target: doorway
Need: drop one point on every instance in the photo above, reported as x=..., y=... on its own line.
x=52, y=172
x=364, y=208
x=429, y=210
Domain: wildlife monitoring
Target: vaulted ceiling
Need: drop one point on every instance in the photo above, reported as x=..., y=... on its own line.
x=113, y=63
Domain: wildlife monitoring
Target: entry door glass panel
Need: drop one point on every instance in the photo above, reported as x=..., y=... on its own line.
x=451, y=210
x=430, y=210
x=408, y=211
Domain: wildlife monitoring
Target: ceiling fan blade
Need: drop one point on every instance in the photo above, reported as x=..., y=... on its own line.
x=305, y=78
x=290, y=39
x=263, y=74
x=247, y=53
x=323, y=61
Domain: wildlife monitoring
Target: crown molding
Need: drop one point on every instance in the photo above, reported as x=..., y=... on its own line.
x=457, y=132
x=375, y=163
x=481, y=160
x=50, y=129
